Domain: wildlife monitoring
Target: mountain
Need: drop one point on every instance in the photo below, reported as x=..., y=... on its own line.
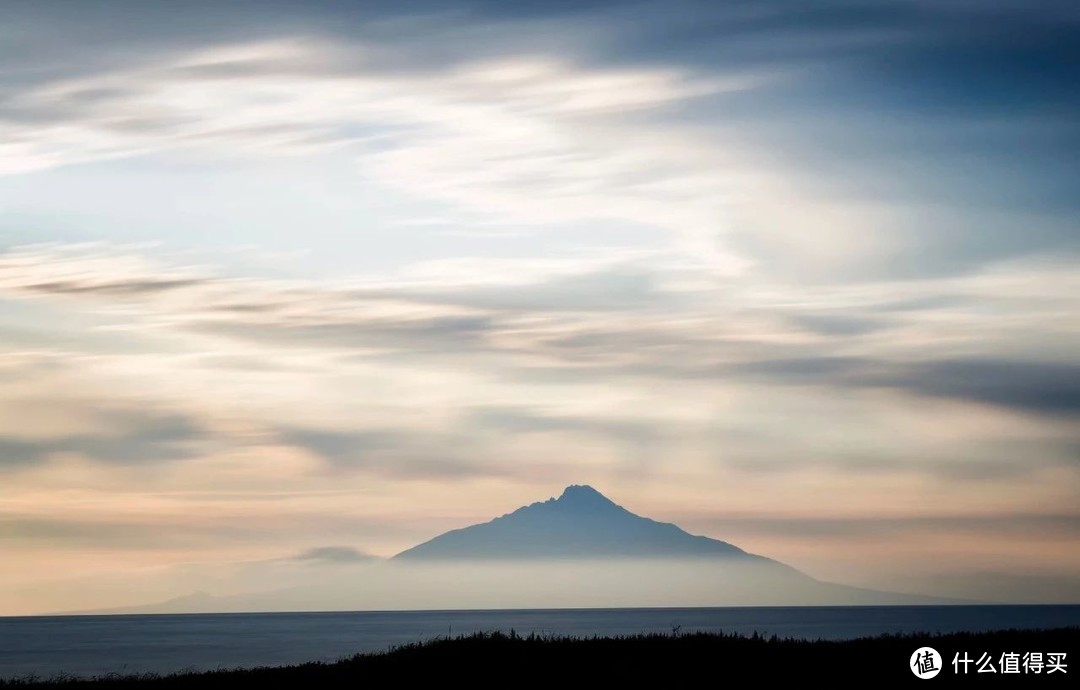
x=581, y=523
x=579, y=550
x=584, y=538
x=188, y=603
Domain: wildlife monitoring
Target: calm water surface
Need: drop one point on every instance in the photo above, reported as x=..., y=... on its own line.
x=91, y=645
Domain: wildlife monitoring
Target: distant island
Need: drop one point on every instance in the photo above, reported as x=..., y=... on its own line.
x=587, y=551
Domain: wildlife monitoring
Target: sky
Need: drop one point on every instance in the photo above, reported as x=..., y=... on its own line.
x=287, y=280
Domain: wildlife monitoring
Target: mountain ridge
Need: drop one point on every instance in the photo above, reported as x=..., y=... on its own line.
x=577, y=550
x=580, y=522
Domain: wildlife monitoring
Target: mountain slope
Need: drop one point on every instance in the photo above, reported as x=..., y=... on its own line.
x=579, y=550
x=581, y=523
x=585, y=539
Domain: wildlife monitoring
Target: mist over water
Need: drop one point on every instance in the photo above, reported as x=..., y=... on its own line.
x=501, y=584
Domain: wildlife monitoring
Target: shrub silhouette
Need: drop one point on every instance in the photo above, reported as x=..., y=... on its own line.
x=511, y=658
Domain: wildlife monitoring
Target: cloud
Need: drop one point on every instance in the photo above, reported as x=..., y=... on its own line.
x=526, y=420
x=92, y=270
x=127, y=533
x=128, y=436
x=841, y=143
x=521, y=322
x=581, y=285
x=841, y=324
x=727, y=254
x=1038, y=387
x=1032, y=386
x=820, y=369
x=404, y=453
x=333, y=554
x=1061, y=526
x=124, y=288
x=641, y=440
x=522, y=139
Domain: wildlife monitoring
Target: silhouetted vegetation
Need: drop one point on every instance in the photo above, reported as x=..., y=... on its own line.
x=509, y=659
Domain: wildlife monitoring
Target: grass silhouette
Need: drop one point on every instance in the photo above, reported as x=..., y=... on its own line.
x=678, y=658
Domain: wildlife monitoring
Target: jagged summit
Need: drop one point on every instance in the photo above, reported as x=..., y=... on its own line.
x=581, y=500
x=580, y=523
x=583, y=495
x=581, y=492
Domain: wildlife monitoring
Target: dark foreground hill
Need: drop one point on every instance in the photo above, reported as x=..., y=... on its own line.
x=508, y=660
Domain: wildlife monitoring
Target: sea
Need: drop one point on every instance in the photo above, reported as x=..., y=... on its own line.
x=50, y=646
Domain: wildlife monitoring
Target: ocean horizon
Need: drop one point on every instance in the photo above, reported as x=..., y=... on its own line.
x=90, y=644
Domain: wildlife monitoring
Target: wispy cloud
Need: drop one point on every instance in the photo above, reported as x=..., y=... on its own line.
x=296, y=269
x=521, y=140
x=128, y=436
x=333, y=554
x=527, y=324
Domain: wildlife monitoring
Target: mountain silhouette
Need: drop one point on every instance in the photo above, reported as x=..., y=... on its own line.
x=581, y=523
x=576, y=551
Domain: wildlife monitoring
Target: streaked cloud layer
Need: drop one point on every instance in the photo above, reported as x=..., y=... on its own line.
x=283, y=279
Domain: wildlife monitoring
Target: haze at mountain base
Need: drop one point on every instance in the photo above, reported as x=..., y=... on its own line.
x=579, y=550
